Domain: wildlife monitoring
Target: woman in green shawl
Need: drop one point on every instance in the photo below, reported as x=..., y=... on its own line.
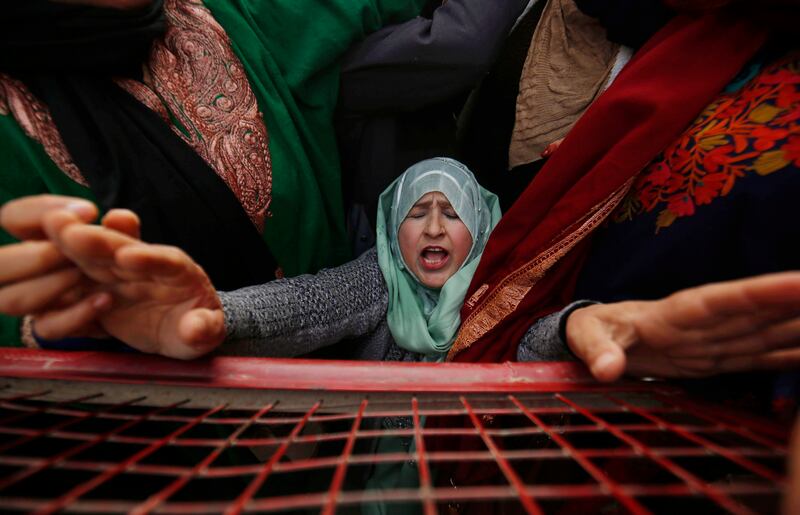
x=398, y=301
x=211, y=119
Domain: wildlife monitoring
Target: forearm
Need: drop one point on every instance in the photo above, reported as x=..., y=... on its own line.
x=424, y=61
x=291, y=317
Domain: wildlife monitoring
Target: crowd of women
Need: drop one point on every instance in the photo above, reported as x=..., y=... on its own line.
x=280, y=178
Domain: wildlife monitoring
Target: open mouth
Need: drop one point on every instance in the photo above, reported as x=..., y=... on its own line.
x=433, y=258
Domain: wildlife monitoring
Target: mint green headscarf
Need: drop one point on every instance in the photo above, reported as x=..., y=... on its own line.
x=421, y=319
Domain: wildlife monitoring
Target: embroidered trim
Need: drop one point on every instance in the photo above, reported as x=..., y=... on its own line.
x=507, y=295
x=475, y=297
x=144, y=95
x=195, y=76
x=34, y=118
x=195, y=73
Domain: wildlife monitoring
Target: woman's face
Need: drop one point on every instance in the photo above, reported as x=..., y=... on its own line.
x=433, y=240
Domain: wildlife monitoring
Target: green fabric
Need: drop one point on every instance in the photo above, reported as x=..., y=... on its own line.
x=25, y=169
x=290, y=51
x=420, y=319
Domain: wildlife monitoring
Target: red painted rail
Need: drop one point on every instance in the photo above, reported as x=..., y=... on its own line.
x=92, y=432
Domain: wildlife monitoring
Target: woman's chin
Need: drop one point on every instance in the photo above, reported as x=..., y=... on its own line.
x=433, y=280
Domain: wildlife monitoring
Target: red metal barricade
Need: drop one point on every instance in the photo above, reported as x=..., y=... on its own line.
x=119, y=433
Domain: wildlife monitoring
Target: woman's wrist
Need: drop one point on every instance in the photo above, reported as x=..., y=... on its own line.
x=565, y=314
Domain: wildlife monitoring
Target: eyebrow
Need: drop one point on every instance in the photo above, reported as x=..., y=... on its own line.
x=444, y=204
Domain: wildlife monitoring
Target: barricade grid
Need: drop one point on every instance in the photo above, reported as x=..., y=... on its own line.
x=207, y=438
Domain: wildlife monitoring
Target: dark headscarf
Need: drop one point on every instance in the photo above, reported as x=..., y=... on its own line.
x=67, y=55
x=43, y=35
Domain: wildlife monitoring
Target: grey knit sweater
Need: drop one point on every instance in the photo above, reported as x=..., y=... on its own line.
x=292, y=317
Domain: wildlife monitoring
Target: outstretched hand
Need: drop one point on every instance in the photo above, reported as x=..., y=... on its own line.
x=724, y=327
x=36, y=277
x=86, y=279
x=163, y=302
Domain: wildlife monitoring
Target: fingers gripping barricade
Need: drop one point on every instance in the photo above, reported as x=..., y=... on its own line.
x=104, y=433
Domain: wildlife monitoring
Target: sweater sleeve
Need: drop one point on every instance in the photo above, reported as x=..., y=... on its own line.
x=291, y=317
x=423, y=61
x=546, y=338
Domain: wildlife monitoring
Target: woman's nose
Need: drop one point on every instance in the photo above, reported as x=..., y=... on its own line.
x=434, y=227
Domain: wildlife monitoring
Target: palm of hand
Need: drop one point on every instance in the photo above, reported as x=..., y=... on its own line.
x=147, y=314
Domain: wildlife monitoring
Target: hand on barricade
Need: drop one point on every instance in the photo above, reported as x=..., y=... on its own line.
x=732, y=326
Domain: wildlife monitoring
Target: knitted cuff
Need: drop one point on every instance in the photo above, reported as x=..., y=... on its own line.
x=564, y=315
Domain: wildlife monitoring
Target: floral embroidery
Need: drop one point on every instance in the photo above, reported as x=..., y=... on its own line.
x=194, y=76
x=34, y=118
x=754, y=130
x=194, y=72
x=145, y=95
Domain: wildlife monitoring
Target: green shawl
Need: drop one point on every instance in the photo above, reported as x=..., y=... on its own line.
x=290, y=51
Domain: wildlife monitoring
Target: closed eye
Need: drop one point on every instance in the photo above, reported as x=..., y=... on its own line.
x=417, y=214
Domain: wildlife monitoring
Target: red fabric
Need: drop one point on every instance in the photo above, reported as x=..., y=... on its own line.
x=662, y=90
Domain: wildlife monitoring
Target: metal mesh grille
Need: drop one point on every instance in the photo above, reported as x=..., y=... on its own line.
x=207, y=438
